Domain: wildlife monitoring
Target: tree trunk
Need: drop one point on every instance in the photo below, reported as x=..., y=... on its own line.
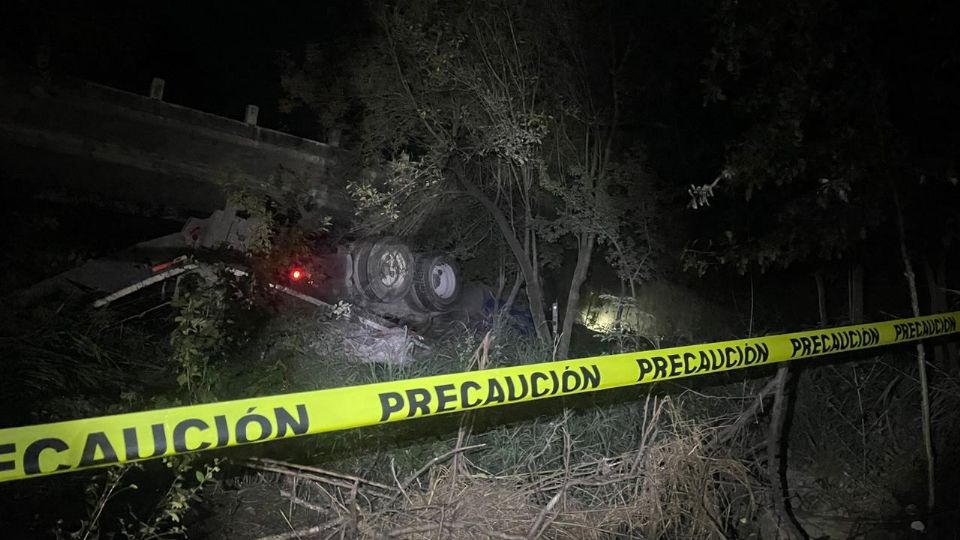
x=530, y=275
x=936, y=278
x=855, y=290
x=776, y=459
x=584, y=255
x=953, y=360
x=936, y=305
x=921, y=360
x=504, y=309
x=787, y=527
x=821, y=297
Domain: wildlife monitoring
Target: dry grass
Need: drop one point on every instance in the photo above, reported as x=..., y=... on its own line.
x=668, y=487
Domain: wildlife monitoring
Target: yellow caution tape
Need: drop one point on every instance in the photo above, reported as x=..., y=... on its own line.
x=94, y=442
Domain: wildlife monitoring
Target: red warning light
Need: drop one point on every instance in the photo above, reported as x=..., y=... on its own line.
x=297, y=274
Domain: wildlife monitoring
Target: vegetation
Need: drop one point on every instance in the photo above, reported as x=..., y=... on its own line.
x=707, y=171
x=511, y=109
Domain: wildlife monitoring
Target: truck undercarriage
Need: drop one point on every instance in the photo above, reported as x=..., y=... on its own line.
x=390, y=289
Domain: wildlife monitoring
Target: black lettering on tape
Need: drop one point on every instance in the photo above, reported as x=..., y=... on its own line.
x=716, y=359
x=495, y=392
x=242, y=431
x=418, y=399
x=8, y=448
x=763, y=351
x=180, y=434
x=131, y=442
x=512, y=394
x=688, y=357
x=591, y=376
x=570, y=380
x=659, y=367
x=795, y=343
x=31, y=456
x=299, y=426
x=728, y=354
x=842, y=341
x=537, y=375
x=97, y=441
x=446, y=394
x=223, y=430
x=390, y=402
x=465, y=396
x=555, y=381
x=645, y=366
x=675, y=365
x=704, y=362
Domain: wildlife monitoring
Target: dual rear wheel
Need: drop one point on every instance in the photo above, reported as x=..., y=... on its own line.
x=385, y=270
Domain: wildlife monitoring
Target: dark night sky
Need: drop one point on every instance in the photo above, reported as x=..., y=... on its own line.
x=218, y=56
x=215, y=56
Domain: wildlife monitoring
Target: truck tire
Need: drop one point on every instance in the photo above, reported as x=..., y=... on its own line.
x=359, y=253
x=436, y=282
x=383, y=269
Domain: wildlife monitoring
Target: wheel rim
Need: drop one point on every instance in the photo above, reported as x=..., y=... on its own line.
x=392, y=268
x=443, y=280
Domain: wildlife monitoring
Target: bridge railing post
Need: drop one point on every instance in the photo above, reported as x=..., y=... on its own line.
x=250, y=114
x=156, y=88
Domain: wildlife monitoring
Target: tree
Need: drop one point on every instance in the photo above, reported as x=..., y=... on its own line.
x=806, y=158
x=500, y=108
x=819, y=160
x=806, y=161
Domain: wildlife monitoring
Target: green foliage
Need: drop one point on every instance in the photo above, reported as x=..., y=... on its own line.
x=804, y=174
x=289, y=217
x=493, y=129
x=200, y=336
x=190, y=477
x=215, y=311
x=284, y=199
x=98, y=494
x=622, y=214
x=165, y=518
x=259, y=241
x=401, y=200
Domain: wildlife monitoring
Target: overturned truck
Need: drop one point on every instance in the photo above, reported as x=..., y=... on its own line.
x=388, y=281
x=383, y=275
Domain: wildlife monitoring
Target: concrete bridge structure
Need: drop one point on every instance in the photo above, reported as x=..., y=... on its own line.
x=81, y=139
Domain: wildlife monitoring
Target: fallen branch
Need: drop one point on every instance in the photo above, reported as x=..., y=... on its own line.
x=434, y=461
x=316, y=478
x=323, y=472
x=298, y=501
x=450, y=525
x=304, y=533
x=731, y=431
x=540, y=524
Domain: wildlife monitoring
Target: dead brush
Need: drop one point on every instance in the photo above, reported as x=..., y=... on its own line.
x=668, y=487
x=621, y=469
x=687, y=493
